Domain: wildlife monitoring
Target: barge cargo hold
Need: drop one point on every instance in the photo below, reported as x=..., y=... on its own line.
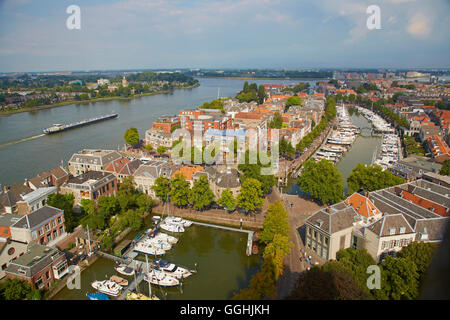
x=62, y=127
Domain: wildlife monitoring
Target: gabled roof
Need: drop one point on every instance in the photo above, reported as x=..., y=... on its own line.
x=116, y=165
x=333, y=218
x=362, y=205
x=389, y=222
x=37, y=217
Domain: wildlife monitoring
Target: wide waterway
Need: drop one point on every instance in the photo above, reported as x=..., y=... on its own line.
x=25, y=151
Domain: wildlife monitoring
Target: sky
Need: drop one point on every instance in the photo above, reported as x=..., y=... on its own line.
x=293, y=34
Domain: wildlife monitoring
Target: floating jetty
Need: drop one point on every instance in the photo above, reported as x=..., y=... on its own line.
x=63, y=127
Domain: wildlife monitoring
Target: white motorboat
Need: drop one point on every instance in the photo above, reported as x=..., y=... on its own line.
x=178, y=221
x=160, y=278
x=166, y=237
x=124, y=270
x=171, y=269
x=171, y=227
x=158, y=243
x=146, y=248
x=107, y=287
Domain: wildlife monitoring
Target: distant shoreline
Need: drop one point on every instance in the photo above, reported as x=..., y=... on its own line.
x=65, y=103
x=259, y=78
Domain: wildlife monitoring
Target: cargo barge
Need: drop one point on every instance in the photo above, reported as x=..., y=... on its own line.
x=63, y=127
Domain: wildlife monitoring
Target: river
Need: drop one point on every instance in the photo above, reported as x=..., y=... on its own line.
x=25, y=152
x=223, y=267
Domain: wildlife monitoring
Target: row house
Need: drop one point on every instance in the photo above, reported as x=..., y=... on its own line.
x=203, y=120
x=9, y=251
x=91, y=185
x=34, y=200
x=157, y=137
x=146, y=174
x=382, y=222
x=438, y=148
x=44, y=226
x=91, y=160
x=40, y=266
x=167, y=124
x=123, y=167
x=52, y=178
x=414, y=167
x=10, y=195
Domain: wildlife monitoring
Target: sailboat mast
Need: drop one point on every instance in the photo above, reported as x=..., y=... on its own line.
x=149, y=284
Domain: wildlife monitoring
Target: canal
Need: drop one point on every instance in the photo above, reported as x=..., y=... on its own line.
x=223, y=267
x=362, y=151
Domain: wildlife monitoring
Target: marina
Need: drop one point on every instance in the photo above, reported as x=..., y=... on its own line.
x=390, y=151
x=204, y=247
x=340, y=139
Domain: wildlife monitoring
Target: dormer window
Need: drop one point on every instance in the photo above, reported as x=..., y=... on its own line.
x=402, y=230
x=391, y=231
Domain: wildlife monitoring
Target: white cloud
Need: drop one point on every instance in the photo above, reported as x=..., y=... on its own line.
x=419, y=25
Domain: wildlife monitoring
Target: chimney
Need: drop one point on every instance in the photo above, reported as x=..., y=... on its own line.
x=5, y=188
x=328, y=209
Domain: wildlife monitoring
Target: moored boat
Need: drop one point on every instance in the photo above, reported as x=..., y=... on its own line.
x=107, y=287
x=120, y=281
x=159, y=278
x=124, y=270
x=171, y=269
x=97, y=296
x=146, y=248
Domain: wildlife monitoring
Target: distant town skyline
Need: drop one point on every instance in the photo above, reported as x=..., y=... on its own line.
x=227, y=34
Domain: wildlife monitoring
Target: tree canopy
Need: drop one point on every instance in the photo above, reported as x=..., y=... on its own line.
x=131, y=136
x=201, y=196
x=251, y=196
x=227, y=200
x=276, y=222
x=179, y=190
x=371, y=178
x=445, y=170
x=322, y=181
x=64, y=202
x=161, y=188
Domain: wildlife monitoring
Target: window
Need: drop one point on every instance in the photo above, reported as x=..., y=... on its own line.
x=326, y=241
x=55, y=234
x=61, y=230
x=47, y=227
x=53, y=223
x=324, y=253
x=308, y=241
x=321, y=238
x=309, y=231
x=59, y=220
x=40, y=231
x=314, y=246
x=315, y=234
x=49, y=237
x=47, y=275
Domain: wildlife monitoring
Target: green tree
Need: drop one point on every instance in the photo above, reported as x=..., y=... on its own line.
x=134, y=219
x=371, y=178
x=179, y=190
x=161, y=149
x=445, y=170
x=276, y=222
x=322, y=181
x=261, y=94
x=131, y=136
x=317, y=284
x=227, y=200
x=201, y=196
x=148, y=147
x=250, y=198
x=64, y=202
x=293, y=101
x=144, y=202
x=277, y=249
x=161, y=188
x=276, y=122
x=15, y=289
x=402, y=279
x=421, y=254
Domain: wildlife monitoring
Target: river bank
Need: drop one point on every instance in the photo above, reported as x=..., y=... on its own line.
x=69, y=102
